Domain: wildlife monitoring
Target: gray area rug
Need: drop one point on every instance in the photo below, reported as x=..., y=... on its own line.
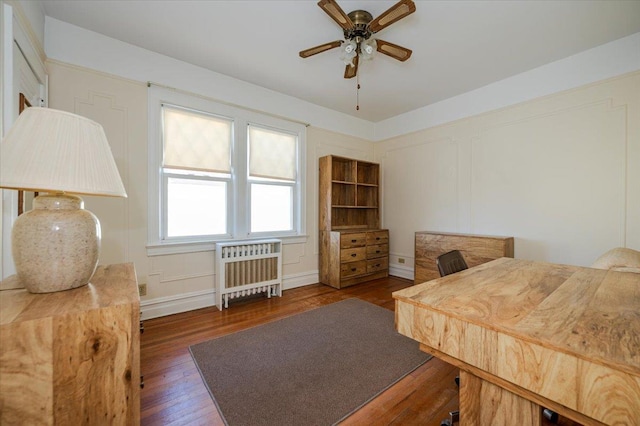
x=313, y=368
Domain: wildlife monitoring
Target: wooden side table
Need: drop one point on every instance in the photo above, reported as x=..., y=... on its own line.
x=72, y=357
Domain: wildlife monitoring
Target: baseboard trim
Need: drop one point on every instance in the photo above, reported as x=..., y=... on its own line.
x=163, y=306
x=401, y=271
x=300, y=280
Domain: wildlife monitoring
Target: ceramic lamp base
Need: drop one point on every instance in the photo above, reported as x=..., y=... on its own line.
x=56, y=245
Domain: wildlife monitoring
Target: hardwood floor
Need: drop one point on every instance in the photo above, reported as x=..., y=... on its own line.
x=174, y=393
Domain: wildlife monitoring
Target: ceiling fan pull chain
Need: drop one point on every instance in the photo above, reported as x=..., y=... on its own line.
x=357, y=92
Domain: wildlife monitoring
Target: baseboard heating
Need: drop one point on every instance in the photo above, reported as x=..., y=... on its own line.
x=244, y=268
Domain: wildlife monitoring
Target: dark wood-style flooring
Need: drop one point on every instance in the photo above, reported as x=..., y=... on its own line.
x=174, y=393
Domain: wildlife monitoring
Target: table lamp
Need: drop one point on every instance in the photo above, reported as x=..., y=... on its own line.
x=56, y=245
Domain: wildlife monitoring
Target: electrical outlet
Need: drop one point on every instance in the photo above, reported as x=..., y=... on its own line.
x=401, y=260
x=142, y=288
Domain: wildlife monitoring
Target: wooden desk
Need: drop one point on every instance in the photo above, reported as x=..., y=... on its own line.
x=529, y=334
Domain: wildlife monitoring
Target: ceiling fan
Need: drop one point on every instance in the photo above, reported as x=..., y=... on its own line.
x=359, y=27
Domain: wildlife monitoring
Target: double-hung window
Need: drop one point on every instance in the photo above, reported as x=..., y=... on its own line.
x=219, y=172
x=196, y=172
x=272, y=179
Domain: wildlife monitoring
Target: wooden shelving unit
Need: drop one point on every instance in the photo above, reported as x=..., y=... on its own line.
x=353, y=248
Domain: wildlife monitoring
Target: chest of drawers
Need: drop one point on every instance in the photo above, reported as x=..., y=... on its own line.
x=353, y=256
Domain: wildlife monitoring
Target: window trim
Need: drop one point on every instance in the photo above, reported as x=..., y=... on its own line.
x=239, y=212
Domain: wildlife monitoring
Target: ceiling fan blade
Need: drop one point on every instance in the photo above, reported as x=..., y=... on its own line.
x=351, y=71
x=336, y=13
x=395, y=13
x=319, y=49
x=396, y=52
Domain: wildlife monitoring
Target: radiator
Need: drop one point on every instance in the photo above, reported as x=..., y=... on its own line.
x=248, y=267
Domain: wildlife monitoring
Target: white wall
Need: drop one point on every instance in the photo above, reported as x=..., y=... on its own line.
x=560, y=173
x=31, y=12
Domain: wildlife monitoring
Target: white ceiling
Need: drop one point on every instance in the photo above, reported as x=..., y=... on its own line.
x=457, y=46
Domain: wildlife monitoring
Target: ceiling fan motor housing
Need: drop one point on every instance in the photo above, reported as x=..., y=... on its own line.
x=360, y=19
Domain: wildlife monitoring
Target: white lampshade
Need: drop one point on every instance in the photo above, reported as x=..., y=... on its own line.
x=56, y=245
x=55, y=151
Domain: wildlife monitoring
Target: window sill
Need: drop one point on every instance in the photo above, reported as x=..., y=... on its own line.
x=194, y=247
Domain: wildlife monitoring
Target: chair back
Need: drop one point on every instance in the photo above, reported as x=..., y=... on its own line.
x=450, y=263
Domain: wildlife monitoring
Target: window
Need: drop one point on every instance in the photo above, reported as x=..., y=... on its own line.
x=196, y=170
x=218, y=172
x=272, y=178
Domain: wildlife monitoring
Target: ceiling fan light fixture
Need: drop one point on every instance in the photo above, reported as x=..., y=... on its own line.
x=348, y=52
x=350, y=47
x=368, y=48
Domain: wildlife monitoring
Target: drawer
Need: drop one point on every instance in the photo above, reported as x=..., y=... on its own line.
x=378, y=237
x=353, y=268
x=353, y=240
x=353, y=254
x=375, y=265
x=377, y=250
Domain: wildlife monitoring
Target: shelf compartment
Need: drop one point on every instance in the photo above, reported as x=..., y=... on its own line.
x=354, y=218
x=343, y=194
x=368, y=173
x=343, y=169
x=367, y=196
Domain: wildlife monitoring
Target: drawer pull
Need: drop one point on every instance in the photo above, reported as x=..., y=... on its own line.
x=377, y=238
x=353, y=241
x=377, y=251
x=353, y=255
x=353, y=269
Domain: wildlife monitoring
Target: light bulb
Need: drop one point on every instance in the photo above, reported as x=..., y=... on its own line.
x=349, y=52
x=368, y=48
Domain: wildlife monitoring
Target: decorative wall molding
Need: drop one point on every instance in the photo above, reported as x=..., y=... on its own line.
x=554, y=157
x=105, y=109
x=558, y=173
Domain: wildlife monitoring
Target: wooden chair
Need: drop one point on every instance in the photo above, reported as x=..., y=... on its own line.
x=450, y=263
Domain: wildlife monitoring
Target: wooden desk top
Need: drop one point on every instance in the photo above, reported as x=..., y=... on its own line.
x=539, y=326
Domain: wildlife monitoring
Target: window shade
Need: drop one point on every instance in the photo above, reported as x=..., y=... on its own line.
x=195, y=141
x=272, y=154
